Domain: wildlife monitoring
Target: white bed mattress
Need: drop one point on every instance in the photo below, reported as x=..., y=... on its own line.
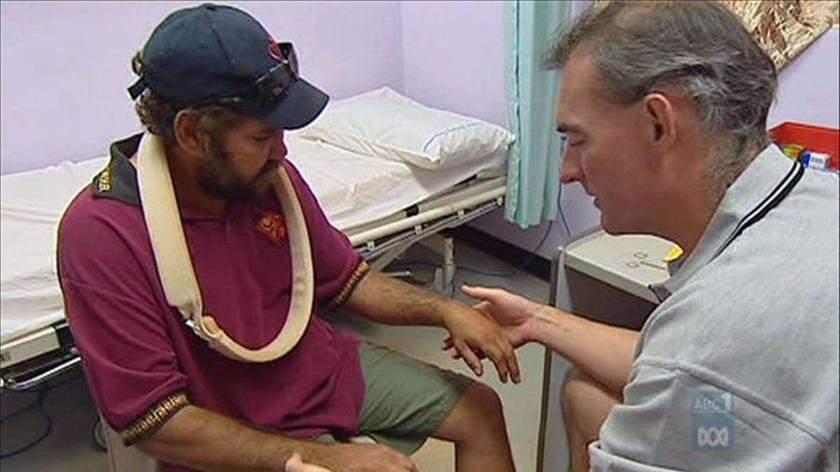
x=353, y=190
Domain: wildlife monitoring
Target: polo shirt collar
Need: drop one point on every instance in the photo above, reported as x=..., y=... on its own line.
x=754, y=192
x=118, y=180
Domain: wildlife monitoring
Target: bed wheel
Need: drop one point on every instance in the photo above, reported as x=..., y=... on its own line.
x=98, y=433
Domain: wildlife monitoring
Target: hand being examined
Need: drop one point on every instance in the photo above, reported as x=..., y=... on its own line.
x=512, y=314
x=474, y=336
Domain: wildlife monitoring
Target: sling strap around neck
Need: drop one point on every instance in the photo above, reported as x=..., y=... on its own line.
x=175, y=268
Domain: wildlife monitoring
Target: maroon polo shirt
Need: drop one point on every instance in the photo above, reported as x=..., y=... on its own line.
x=139, y=357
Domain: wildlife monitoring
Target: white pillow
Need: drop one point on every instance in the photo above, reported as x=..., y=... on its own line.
x=386, y=124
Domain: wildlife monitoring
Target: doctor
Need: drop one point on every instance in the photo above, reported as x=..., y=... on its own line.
x=194, y=266
x=664, y=106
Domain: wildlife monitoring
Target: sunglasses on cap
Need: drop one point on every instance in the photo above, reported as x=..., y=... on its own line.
x=267, y=90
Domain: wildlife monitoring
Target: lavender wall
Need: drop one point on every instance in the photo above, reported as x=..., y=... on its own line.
x=808, y=86
x=65, y=65
x=454, y=56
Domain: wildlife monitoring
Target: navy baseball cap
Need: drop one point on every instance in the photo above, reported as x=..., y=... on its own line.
x=220, y=55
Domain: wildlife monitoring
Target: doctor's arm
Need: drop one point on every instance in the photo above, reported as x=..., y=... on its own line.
x=603, y=352
x=382, y=299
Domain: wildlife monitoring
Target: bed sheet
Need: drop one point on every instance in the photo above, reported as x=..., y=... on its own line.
x=353, y=189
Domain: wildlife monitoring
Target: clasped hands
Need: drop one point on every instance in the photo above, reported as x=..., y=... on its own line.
x=493, y=328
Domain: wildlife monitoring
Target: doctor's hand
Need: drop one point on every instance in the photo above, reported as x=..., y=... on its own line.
x=514, y=313
x=474, y=336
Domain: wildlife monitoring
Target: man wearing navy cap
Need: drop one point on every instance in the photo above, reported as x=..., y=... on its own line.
x=183, y=275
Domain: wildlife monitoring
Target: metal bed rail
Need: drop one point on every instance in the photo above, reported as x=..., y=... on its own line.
x=31, y=360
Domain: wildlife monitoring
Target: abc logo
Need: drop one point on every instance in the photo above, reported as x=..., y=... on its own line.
x=712, y=402
x=713, y=437
x=712, y=421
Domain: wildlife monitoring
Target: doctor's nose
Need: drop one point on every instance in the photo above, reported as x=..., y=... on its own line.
x=571, y=171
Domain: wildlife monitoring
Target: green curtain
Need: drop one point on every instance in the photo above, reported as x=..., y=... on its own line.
x=534, y=164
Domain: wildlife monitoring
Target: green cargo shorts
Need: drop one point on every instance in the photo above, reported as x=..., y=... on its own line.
x=405, y=400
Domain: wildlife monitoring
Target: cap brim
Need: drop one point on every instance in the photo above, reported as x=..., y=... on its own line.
x=301, y=105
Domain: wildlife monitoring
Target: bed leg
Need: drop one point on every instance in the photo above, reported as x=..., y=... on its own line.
x=445, y=246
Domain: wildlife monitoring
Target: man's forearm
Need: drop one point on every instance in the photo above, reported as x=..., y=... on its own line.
x=385, y=300
x=603, y=352
x=205, y=440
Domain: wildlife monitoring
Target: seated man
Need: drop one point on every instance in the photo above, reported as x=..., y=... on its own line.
x=215, y=94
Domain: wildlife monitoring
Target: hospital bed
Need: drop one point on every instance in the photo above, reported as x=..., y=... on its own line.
x=382, y=205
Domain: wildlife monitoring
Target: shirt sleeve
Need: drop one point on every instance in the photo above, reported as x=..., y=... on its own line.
x=338, y=267
x=118, y=325
x=676, y=418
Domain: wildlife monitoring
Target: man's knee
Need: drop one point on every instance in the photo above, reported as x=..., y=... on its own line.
x=483, y=403
x=574, y=386
x=586, y=403
x=478, y=410
x=573, y=389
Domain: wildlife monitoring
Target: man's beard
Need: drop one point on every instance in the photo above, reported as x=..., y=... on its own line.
x=219, y=179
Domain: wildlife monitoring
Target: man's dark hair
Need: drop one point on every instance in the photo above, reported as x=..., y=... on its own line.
x=158, y=114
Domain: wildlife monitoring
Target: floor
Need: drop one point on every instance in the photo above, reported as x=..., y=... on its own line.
x=70, y=445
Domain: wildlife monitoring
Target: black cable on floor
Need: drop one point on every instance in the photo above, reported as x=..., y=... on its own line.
x=39, y=403
x=21, y=410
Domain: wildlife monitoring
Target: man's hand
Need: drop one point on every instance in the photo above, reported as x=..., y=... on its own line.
x=474, y=335
x=514, y=313
x=354, y=458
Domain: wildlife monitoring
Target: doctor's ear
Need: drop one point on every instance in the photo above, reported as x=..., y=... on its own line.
x=188, y=133
x=660, y=112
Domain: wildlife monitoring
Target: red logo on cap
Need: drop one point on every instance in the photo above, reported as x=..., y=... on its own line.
x=274, y=50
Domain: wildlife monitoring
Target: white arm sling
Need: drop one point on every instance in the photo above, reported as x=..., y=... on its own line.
x=177, y=275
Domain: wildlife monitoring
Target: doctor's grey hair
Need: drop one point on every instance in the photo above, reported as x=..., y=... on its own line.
x=698, y=48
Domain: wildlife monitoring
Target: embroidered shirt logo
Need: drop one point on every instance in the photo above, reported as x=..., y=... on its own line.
x=272, y=225
x=105, y=180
